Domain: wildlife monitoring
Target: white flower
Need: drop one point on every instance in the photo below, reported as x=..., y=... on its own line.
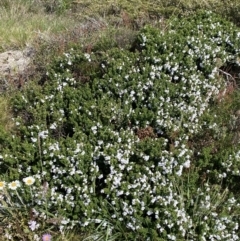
x=186, y=164
x=29, y=180
x=34, y=139
x=64, y=222
x=8, y=236
x=36, y=238
x=94, y=129
x=149, y=213
x=2, y=184
x=119, y=193
x=88, y=57
x=179, y=172
x=14, y=185
x=100, y=142
x=33, y=225
x=146, y=158
x=43, y=134
x=53, y=126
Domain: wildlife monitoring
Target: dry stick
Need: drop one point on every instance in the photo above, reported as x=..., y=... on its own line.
x=228, y=75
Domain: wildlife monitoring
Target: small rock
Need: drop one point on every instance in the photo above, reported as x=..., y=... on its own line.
x=13, y=63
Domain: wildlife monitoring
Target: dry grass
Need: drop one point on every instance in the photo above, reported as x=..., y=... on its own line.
x=20, y=25
x=22, y=21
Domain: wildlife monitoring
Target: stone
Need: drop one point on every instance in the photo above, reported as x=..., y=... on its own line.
x=13, y=63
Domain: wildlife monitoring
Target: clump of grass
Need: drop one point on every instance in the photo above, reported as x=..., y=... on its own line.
x=20, y=25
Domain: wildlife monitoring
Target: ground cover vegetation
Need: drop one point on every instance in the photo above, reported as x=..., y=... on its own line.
x=134, y=136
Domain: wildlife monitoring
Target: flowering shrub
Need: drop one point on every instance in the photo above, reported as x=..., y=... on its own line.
x=114, y=137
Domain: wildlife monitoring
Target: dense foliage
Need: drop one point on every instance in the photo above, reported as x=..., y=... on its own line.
x=116, y=136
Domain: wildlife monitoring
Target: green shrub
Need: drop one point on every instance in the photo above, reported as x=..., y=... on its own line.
x=55, y=6
x=111, y=135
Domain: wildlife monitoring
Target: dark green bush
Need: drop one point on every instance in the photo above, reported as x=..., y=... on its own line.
x=114, y=135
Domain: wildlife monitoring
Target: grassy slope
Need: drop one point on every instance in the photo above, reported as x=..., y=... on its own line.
x=24, y=21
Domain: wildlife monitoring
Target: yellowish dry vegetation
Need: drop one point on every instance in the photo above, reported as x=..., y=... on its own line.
x=22, y=21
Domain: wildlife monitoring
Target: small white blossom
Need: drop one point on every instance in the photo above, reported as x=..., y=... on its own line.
x=14, y=185
x=43, y=134
x=33, y=225
x=29, y=180
x=34, y=139
x=2, y=185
